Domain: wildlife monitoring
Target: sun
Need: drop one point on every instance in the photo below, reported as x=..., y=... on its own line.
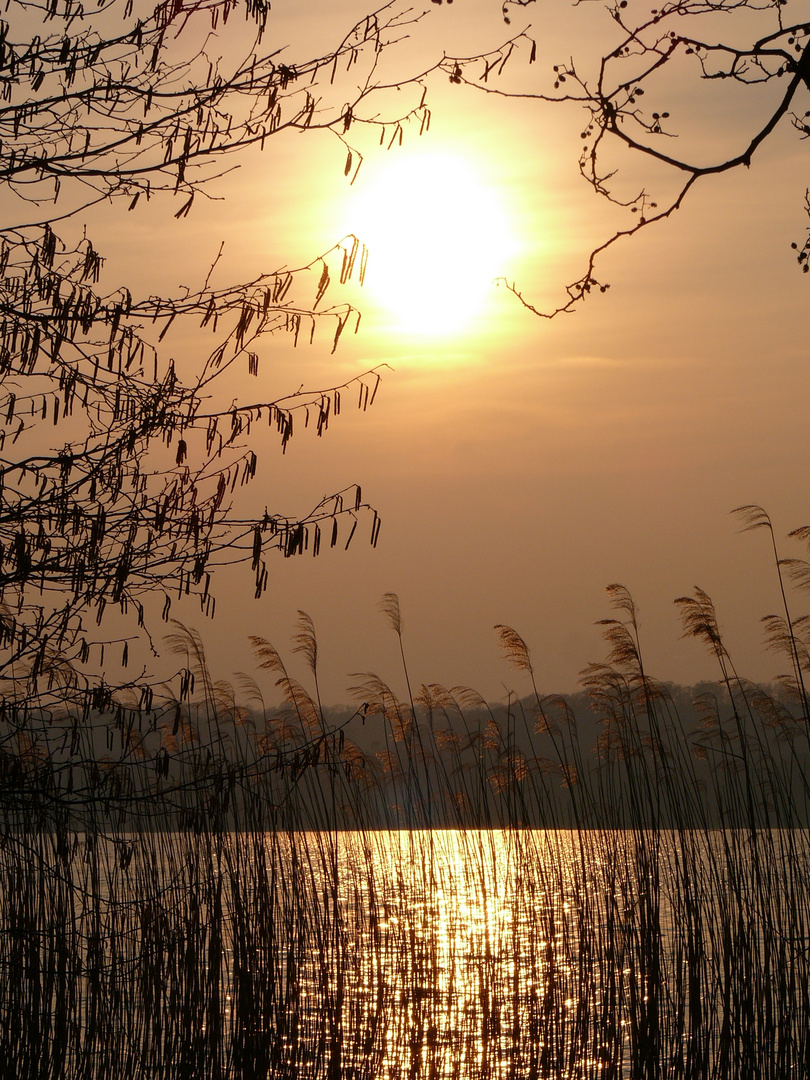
x=437, y=236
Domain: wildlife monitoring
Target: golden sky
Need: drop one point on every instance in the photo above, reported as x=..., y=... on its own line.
x=519, y=465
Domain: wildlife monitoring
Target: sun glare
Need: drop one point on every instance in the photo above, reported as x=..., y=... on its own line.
x=437, y=236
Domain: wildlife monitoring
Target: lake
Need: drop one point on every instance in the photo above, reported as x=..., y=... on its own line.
x=437, y=954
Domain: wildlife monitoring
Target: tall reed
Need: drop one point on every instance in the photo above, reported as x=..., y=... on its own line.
x=233, y=890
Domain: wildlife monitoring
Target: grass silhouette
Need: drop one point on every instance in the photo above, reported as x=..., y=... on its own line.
x=233, y=890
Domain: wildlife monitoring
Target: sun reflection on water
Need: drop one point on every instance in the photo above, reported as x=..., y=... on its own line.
x=455, y=956
x=514, y=955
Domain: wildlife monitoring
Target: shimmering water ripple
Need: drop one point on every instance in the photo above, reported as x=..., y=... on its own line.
x=527, y=954
x=515, y=955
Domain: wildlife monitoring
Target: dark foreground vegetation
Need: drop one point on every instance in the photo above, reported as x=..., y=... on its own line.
x=431, y=888
x=195, y=886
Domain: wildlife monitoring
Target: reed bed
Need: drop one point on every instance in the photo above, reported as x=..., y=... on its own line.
x=495, y=892
x=498, y=953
